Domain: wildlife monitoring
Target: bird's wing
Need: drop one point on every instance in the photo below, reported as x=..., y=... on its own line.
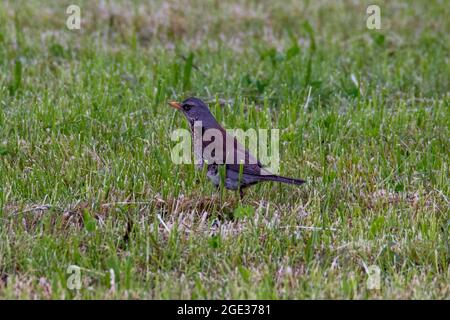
x=233, y=154
x=251, y=164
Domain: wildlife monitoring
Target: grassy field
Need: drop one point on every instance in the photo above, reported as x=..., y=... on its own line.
x=86, y=176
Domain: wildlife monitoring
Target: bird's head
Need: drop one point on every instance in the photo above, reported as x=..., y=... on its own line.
x=195, y=109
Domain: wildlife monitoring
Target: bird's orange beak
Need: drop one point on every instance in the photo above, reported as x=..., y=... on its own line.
x=175, y=105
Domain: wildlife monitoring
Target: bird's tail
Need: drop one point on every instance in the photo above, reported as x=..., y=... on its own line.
x=274, y=177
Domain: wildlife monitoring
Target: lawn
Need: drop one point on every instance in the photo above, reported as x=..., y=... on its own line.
x=87, y=180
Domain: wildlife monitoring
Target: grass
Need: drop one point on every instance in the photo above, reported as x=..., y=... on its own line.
x=86, y=176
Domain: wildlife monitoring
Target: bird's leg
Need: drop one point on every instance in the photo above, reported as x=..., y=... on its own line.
x=241, y=193
x=216, y=193
x=219, y=193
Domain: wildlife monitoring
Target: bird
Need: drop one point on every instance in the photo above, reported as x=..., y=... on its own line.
x=238, y=175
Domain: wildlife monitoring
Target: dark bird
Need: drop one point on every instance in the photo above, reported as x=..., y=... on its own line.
x=238, y=175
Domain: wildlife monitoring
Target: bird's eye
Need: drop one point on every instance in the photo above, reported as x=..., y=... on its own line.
x=187, y=107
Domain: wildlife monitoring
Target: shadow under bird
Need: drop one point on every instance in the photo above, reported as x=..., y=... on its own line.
x=237, y=175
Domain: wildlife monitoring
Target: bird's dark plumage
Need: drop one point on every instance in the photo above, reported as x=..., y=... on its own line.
x=253, y=172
